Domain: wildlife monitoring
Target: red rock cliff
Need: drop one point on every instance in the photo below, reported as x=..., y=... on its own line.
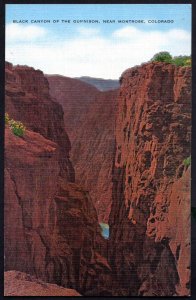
x=93, y=151
x=28, y=100
x=150, y=217
x=51, y=225
x=90, y=121
x=75, y=97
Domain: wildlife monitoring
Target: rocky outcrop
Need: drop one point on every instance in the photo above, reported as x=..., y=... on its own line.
x=31, y=176
x=51, y=225
x=22, y=284
x=150, y=216
x=90, y=121
x=28, y=100
x=173, y=225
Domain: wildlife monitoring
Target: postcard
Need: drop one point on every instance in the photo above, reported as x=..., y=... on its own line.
x=97, y=150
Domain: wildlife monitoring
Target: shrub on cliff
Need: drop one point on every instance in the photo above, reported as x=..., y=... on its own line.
x=187, y=161
x=162, y=57
x=182, y=60
x=16, y=127
x=7, y=119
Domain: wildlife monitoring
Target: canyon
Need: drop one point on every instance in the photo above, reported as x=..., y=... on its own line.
x=90, y=156
x=89, y=116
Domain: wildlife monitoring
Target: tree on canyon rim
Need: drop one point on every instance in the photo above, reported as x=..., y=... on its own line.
x=180, y=61
x=162, y=57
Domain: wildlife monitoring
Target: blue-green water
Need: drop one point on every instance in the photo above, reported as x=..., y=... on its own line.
x=105, y=230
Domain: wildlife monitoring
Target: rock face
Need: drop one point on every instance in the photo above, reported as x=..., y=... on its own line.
x=28, y=100
x=93, y=150
x=75, y=97
x=31, y=174
x=150, y=216
x=51, y=225
x=22, y=284
x=56, y=230
x=90, y=121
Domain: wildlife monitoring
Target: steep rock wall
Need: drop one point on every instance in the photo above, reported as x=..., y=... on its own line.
x=150, y=188
x=93, y=149
x=31, y=176
x=90, y=120
x=75, y=97
x=51, y=225
x=28, y=100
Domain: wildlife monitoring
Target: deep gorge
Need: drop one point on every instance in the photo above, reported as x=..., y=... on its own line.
x=90, y=157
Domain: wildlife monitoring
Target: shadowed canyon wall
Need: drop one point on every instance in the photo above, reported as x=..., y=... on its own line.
x=93, y=149
x=150, y=218
x=90, y=120
x=51, y=225
x=75, y=97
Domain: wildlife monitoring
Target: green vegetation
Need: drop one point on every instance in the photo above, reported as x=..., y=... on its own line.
x=165, y=56
x=7, y=119
x=162, y=57
x=16, y=127
x=187, y=161
x=182, y=61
